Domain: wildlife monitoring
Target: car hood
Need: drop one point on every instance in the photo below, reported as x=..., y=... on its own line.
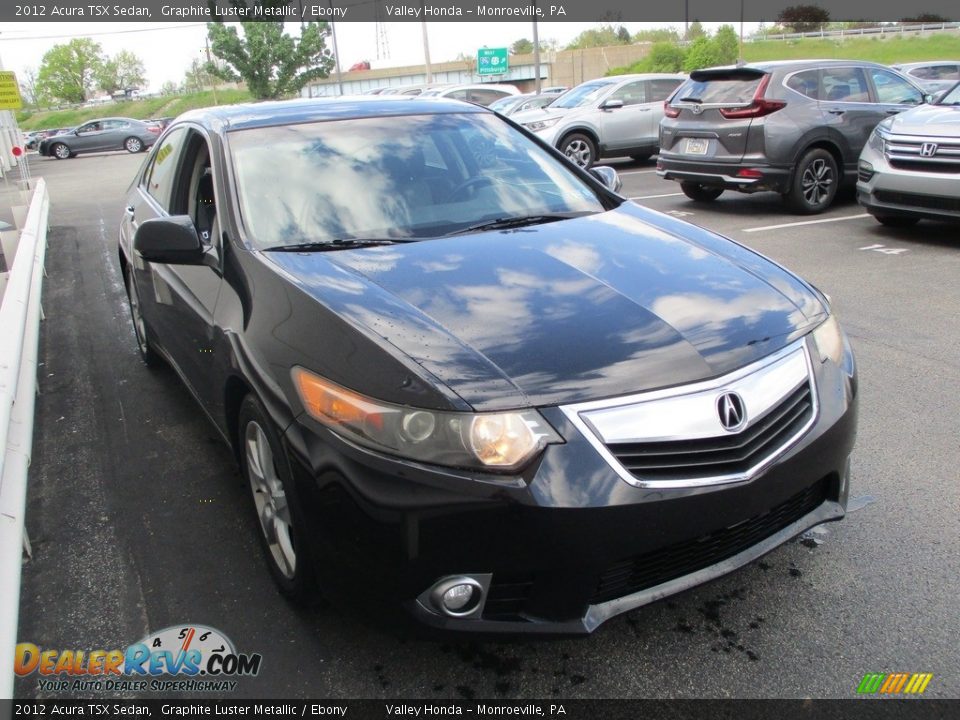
x=939, y=120
x=580, y=309
x=528, y=116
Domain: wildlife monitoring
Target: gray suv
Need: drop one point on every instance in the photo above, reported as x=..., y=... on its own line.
x=792, y=127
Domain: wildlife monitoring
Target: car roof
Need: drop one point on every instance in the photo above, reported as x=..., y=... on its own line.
x=925, y=63
x=290, y=112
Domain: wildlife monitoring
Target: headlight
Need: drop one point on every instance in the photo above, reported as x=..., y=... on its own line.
x=487, y=441
x=829, y=340
x=538, y=125
x=878, y=140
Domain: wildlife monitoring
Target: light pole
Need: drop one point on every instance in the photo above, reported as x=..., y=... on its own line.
x=536, y=52
x=426, y=51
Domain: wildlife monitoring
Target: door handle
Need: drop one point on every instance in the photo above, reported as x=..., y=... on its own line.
x=893, y=112
x=836, y=111
x=131, y=210
x=644, y=109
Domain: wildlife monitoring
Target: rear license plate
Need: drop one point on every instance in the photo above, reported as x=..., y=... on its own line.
x=697, y=146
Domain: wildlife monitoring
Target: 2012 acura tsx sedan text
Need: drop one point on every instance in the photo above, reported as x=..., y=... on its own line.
x=466, y=377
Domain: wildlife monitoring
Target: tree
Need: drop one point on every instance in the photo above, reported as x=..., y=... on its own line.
x=623, y=35
x=198, y=77
x=727, y=45
x=169, y=88
x=124, y=70
x=657, y=35
x=702, y=53
x=803, y=18
x=28, y=87
x=272, y=63
x=598, y=37
x=664, y=57
x=521, y=47
x=695, y=31
x=67, y=71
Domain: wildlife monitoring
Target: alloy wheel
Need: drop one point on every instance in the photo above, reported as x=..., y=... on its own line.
x=270, y=500
x=579, y=152
x=817, y=182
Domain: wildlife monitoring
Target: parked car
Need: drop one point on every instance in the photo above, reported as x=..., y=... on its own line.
x=466, y=377
x=518, y=103
x=101, y=135
x=482, y=94
x=606, y=117
x=554, y=90
x=32, y=139
x=933, y=76
x=910, y=167
x=793, y=127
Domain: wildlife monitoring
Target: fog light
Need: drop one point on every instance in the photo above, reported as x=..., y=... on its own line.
x=865, y=171
x=457, y=597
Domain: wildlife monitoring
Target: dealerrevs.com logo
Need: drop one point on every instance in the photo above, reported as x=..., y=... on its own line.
x=181, y=658
x=894, y=683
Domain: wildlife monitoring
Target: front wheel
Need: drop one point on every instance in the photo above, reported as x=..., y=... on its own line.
x=281, y=520
x=815, y=182
x=133, y=145
x=897, y=221
x=60, y=151
x=700, y=193
x=580, y=149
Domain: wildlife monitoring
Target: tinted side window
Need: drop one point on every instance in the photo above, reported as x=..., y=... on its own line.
x=806, y=83
x=660, y=90
x=893, y=89
x=160, y=176
x=845, y=85
x=485, y=97
x=458, y=95
x=631, y=93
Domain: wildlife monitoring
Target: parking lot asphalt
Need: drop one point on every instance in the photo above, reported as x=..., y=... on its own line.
x=139, y=521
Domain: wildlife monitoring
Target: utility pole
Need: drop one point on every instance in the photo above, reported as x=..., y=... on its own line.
x=740, y=58
x=536, y=51
x=426, y=51
x=336, y=53
x=214, y=77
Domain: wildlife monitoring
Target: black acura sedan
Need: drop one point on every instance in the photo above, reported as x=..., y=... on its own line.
x=466, y=377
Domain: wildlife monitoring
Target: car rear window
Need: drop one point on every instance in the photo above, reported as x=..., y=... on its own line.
x=721, y=89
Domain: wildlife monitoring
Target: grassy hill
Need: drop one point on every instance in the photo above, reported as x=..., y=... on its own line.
x=886, y=50
x=168, y=106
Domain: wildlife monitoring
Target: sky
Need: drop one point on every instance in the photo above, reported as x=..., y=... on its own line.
x=167, y=49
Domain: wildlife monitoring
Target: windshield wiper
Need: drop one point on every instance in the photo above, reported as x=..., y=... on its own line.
x=341, y=244
x=690, y=99
x=505, y=223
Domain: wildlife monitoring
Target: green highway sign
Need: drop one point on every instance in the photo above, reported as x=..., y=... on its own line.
x=491, y=61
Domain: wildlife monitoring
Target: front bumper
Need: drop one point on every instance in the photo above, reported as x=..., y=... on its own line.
x=715, y=174
x=897, y=192
x=568, y=543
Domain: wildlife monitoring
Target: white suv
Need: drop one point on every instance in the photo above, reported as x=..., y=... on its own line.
x=606, y=117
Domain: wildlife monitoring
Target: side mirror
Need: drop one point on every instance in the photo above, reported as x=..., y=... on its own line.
x=608, y=176
x=929, y=98
x=612, y=105
x=169, y=240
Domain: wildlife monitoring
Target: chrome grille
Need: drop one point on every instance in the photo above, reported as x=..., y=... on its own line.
x=676, y=437
x=907, y=152
x=726, y=455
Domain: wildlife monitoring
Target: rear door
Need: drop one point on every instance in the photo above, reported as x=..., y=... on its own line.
x=704, y=129
x=629, y=126
x=848, y=107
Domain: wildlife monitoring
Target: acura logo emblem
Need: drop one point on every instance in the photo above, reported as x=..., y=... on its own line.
x=733, y=414
x=928, y=149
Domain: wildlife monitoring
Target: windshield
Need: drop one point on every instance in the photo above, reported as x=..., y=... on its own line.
x=951, y=97
x=396, y=178
x=583, y=94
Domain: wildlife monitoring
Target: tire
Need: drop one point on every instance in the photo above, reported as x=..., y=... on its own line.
x=815, y=183
x=580, y=150
x=59, y=151
x=642, y=157
x=280, y=517
x=897, y=221
x=700, y=193
x=133, y=145
x=147, y=353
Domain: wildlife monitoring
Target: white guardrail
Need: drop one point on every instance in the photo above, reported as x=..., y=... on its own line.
x=20, y=316
x=882, y=30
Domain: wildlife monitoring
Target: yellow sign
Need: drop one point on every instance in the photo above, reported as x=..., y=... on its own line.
x=9, y=91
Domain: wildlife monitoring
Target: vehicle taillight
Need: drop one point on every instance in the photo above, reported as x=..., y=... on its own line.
x=758, y=108
x=670, y=111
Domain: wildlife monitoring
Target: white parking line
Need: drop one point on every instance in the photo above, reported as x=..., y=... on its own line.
x=650, y=197
x=636, y=172
x=806, y=222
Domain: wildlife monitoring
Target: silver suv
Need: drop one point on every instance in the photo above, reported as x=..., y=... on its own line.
x=793, y=127
x=910, y=168
x=606, y=117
